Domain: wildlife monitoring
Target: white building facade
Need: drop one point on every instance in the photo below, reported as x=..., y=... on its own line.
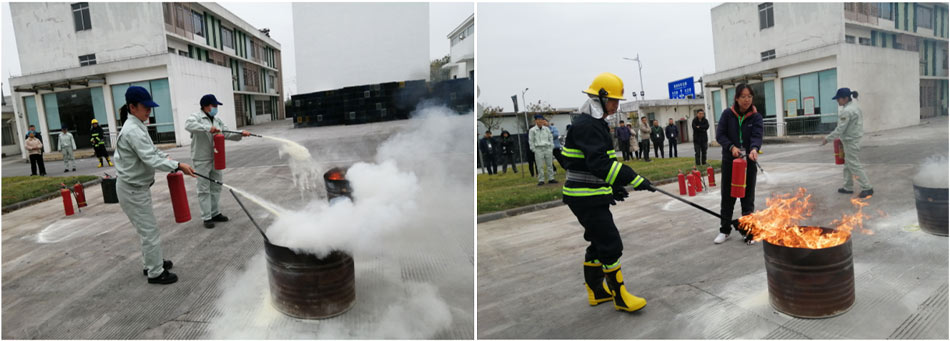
x=796, y=55
x=462, y=51
x=348, y=44
x=682, y=111
x=77, y=60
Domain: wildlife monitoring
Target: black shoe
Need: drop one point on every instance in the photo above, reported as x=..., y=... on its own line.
x=845, y=191
x=166, y=264
x=209, y=224
x=220, y=217
x=541, y=183
x=552, y=181
x=165, y=278
x=74, y=169
x=866, y=193
x=66, y=171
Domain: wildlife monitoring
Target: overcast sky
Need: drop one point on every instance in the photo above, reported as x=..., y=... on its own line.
x=555, y=50
x=443, y=17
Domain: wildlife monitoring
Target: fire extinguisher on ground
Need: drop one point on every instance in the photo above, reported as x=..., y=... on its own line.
x=712, y=176
x=176, y=187
x=67, y=200
x=80, y=195
x=839, y=152
x=219, y=159
x=682, y=182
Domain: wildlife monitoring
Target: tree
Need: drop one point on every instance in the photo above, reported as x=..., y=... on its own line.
x=436, y=72
x=492, y=118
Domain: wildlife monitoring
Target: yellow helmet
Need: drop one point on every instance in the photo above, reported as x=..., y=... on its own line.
x=609, y=82
x=95, y=121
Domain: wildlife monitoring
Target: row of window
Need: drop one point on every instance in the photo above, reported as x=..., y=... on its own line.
x=883, y=10
x=467, y=32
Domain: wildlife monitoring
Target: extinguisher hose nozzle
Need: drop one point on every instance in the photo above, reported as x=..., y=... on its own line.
x=210, y=179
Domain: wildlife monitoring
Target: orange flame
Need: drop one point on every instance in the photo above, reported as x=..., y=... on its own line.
x=779, y=223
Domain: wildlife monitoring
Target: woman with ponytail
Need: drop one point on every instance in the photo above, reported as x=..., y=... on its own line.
x=739, y=132
x=850, y=129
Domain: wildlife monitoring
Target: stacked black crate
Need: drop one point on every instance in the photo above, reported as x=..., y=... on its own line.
x=457, y=94
x=354, y=102
x=407, y=96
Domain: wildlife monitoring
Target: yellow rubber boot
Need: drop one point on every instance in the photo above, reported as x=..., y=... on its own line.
x=110, y=162
x=100, y=164
x=597, y=290
x=623, y=300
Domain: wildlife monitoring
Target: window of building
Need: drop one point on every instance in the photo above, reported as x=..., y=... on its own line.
x=167, y=12
x=183, y=53
x=199, y=23
x=8, y=132
x=270, y=82
x=944, y=59
x=864, y=41
x=250, y=46
x=925, y=17
x=89, y=59
x=766, y=16
x=227, y=38
x=171, y=50
x=849, y=39
x=770, y=54
x=81, y=16
x=884, y=11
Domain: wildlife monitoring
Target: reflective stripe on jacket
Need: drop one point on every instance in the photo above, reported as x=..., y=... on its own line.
x=588, y=151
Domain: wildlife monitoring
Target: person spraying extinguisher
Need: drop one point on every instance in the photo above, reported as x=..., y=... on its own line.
x=739, y=132
x=136, y=160
x=205, y=126
x=850, y=129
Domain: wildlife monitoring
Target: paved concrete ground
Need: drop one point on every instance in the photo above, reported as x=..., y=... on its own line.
x=530, y=282
x=80, y=277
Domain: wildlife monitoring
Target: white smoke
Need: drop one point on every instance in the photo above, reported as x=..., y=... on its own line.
x=933, y=173
x=409, y=222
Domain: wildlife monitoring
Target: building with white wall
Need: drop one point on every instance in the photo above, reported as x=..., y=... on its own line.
x=796, y=55
x=462, y=51
x=77, y=60
x=11, y=140
x=681, y=111
x=347, y=44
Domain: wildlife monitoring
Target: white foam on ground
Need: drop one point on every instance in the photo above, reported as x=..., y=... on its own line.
x=65, y=229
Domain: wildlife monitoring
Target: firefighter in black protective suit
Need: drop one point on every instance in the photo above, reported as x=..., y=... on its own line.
x=596, y=180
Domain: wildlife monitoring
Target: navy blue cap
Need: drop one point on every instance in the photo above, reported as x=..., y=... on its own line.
x=842, y=93
x=209, y=100
x=539, y=117
x=138, y=94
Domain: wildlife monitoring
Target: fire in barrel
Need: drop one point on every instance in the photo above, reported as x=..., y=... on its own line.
x=305, y=286
x=810, y=269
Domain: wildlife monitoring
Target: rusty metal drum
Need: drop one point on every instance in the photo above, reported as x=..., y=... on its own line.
x=810, y=283
x=307, y=287
x=932, y=209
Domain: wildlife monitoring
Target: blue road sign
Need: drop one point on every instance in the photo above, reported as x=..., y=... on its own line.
x=682, y=88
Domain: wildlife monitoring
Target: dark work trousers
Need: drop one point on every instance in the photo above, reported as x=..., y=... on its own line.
x=645, y=149
x=508, y=159
x=658, y=149
x=530, y=157
x=673, y=151
x=490, y=163
x=700, y=149
x=36, y=160
x=625, y=149
x=600, y=231
x=637, y=154
x=728, y=202
x=559, y=158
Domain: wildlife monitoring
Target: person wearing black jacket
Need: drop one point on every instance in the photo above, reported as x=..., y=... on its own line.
x=739, y=132
x=657, y=136
x=488, y=147
x=507, y=147
x=596, y=180
x=700, y=136
x=672, y=134
x=528, y=154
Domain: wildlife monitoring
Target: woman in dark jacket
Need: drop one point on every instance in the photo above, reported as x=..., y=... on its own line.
x=507, y=152
x=739, y=132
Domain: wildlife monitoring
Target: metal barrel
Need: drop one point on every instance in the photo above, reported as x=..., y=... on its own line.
x=307, y=287
x=810, y=283
x=932, y=209
x=109, y=194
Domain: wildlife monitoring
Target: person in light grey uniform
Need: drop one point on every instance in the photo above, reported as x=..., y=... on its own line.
x=850, y=129
x=203, y=125
x=136, y=160
x=67, y=145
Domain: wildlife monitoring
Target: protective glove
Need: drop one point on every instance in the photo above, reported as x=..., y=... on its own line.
x=645, y=185
x=620, y=193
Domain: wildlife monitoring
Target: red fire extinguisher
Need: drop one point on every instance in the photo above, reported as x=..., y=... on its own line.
x=176, y=186
x=219, y=151
x=682, y=182
x=839, y=152
x=80, y=195
x=712, y=176
x=738, y=177
x=699, y=180
x=692, y=184
x=67, y=200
